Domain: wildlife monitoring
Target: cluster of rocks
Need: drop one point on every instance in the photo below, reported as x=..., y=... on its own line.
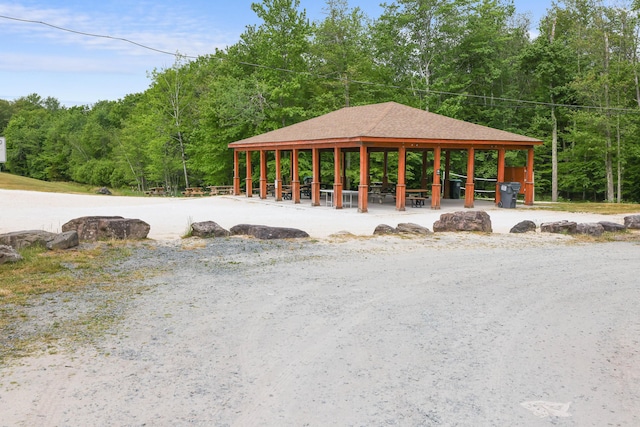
x=93, y=228
x=481, y=222
x=402, y=228
x=451, y=222
x=85, y=229
x=208, y=229
x=595, y=229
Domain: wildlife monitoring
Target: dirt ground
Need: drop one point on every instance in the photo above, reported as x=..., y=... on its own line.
x=447, y=330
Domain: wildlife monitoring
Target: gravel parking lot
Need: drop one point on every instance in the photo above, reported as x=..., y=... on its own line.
x=448, y=330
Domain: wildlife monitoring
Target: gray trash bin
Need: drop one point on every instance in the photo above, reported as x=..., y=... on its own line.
x=508, y=194
x=454, y=188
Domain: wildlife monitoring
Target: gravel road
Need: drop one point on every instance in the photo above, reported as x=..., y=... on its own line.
x=449, y=330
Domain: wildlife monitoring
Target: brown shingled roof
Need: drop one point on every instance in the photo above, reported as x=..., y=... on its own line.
x=386, y=120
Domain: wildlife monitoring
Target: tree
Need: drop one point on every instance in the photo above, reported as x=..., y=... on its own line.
x=274, y=53
x=171, y=97
x=340, y=54
x=550, y=63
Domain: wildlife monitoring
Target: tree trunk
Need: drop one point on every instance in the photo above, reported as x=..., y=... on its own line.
x=619, y=156
x=554, y=155
x=184, y=160
x=554, y=134
x=608, y=161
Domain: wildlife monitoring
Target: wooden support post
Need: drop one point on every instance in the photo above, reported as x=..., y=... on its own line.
x=368, y=170
x=315, y=180
x=344, y=170
x=528, y=183
x=385, y=172
x=469, y=188
x=363, y=188
x=423, y=182
x=248, y=181
x=263, y=174
x=436, y=187
x=295, y=176
x=337, y=177
x=236, y=173
x=278, y=182
x=401, y=186
x=500, y=176
x=447, y=177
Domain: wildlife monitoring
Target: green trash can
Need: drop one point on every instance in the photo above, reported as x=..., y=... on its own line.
x=508, y=194
x=454, y=188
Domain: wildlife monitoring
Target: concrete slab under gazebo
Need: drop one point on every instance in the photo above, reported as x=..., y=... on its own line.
x=387, y=127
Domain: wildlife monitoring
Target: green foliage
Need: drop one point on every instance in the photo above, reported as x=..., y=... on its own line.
x=465, y=59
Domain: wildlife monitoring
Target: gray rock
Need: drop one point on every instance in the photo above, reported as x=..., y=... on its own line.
x=65, y=240
x=267, y=233
x=26, y=239
x=590, y=229
x=612, y=227
x=523, y=227
x=632, y=222
x=384, y=229
x=208, y=229
x=92, y=228
x=464, y=221
x=104, y=190
x=408, y=227
x=559, y=227
x=8, y=254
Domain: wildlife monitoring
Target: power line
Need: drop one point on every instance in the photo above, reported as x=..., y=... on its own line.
x=424, y=91
x=102, y=36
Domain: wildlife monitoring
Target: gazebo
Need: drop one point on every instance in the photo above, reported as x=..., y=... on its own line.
x=386, y=127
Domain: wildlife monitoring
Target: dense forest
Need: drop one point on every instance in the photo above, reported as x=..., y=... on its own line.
x=575, y=86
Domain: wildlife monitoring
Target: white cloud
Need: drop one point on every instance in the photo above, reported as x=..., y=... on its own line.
x=158, y=27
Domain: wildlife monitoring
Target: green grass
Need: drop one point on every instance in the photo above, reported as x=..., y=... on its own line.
x=15, y=182
x=590, y=207
x=42, y=273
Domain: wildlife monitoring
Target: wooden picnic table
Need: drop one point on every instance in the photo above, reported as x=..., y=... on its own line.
x=286, y=192
x=155, y=191
x=193, y=191
x=216, y=190
x=417, y=196
x=379, y=193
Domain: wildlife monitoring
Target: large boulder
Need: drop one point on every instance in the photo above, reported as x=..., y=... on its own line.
x=590, y=229
x=383, y=229
x=612, y=227
x=559, y=227
x=632, y=222
x=8, y=254
x=267, y=233
x=208, y=229
x=64, y=240
x=464, y=221
x=93, y=228
x=26, y=239
x=523, y=227
x=411, y=228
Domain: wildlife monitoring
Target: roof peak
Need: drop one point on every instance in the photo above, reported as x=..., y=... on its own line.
x=387, y=120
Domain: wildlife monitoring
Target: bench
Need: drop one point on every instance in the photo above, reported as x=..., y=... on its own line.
x=287, y=192
x=155, y=191
x=193, y=191
x=218, y=190
x=416, y=201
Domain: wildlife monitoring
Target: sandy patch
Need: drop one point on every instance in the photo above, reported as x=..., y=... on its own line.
x=169, y=217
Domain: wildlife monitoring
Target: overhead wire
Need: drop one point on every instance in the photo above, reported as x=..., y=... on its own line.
x=424, y=91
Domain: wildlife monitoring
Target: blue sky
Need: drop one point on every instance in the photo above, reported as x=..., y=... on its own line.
x=78, y=69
